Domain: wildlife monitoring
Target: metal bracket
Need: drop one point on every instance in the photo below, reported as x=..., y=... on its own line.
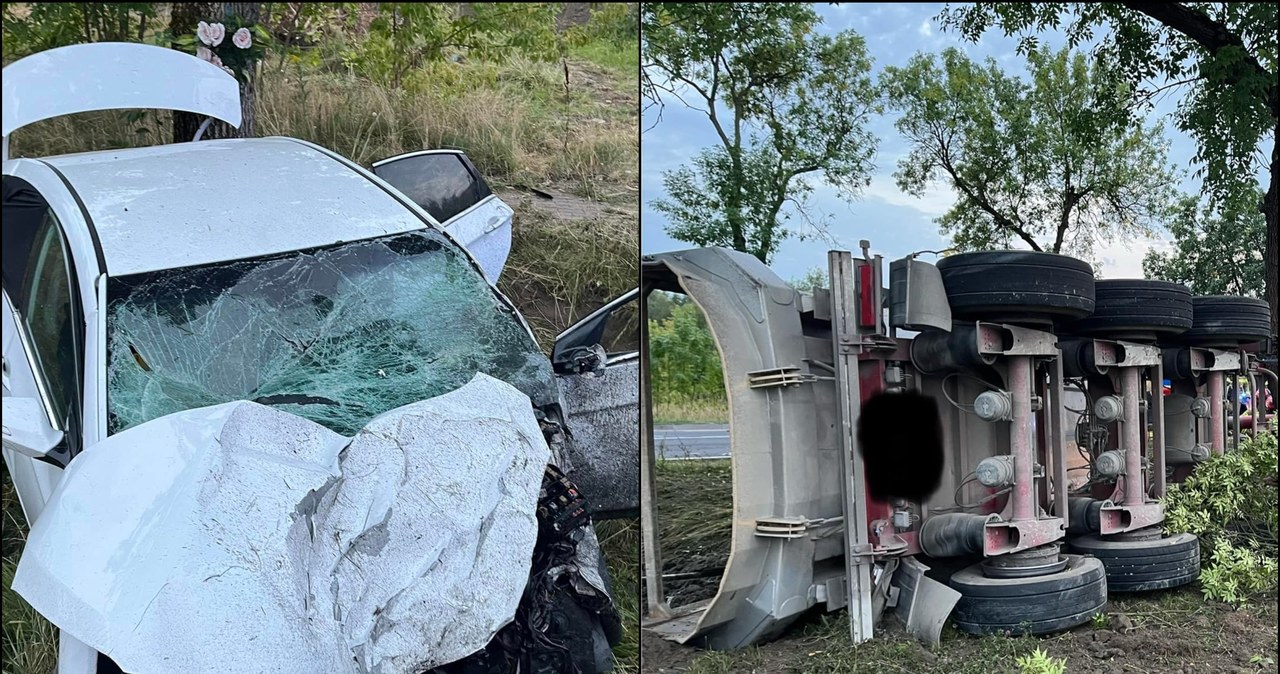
x=1214, y=360
x=1109, y=353
x=1005, y=537
x=1011, y=340
x=781, y=527
x=779, y=377
x=1115, y=519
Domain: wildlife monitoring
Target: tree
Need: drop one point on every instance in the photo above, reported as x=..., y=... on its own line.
x=1224, y=56
x=787, y=106
x=1215, y=252
x=39, y=26
x=1057, y=163
x=684, y=361
x=183, y=19
x=406, y=34
x=813, y=279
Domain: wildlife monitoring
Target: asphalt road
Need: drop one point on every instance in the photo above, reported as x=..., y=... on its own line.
x=684, y=441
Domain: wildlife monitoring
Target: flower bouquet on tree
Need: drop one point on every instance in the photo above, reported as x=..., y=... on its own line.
x=232, y=46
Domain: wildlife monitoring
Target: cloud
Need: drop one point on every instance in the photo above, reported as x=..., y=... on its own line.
x=925, y=29
x=1121, y=260
x=936, y=200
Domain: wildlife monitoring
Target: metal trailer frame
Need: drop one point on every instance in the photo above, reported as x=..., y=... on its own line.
x=797, y=368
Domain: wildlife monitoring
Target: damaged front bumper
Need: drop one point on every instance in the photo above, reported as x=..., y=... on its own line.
x=239, y=537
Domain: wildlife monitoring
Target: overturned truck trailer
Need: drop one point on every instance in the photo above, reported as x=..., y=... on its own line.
x=951, y=499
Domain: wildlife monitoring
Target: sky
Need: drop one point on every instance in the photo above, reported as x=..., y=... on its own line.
x=896, y=223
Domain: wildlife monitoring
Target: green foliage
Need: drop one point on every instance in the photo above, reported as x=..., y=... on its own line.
x=1058, y=162
x=408, y=34
x=787, y=105
x=614, y=22
x=814, y=278
x=1230, y=503
x=1101, y=621
x=1231, y=104
x=684, y=362
x=36, y=26
x=1216, y=251
x=1039, y=662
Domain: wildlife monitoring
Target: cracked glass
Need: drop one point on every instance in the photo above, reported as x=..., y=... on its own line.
x=336, y=335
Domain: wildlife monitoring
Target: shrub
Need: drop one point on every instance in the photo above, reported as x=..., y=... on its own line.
x=1039, y=662
x=1230, y=503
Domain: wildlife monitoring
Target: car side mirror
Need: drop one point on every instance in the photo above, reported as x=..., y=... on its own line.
x=26, y=428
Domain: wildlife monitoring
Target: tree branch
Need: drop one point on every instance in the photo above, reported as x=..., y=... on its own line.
x=1210, y=34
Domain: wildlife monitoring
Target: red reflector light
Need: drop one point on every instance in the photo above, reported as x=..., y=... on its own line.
x=866, y=296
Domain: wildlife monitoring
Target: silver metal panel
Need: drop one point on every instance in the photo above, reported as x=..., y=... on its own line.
x=917, y=298
x=754, y=317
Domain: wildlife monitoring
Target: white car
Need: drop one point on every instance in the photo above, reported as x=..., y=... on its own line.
x=149, y=282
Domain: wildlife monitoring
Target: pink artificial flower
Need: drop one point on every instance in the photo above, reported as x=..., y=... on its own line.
x=202, y=32
x=242, y=39
x=216, y=61
x=229, y=71
x=204, y=54
x=217, y=31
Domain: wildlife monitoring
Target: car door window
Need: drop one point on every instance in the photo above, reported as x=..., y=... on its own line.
x=48, y=313
x=442, y=183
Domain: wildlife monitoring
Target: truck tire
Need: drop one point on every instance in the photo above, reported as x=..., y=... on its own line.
x=1227, y=320
x=1035, y=605
x=1137, y=309
x=1141, y=566
x=1018, y=287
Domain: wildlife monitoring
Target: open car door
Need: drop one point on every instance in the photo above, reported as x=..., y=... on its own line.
x=447, y=185
x=597, y=362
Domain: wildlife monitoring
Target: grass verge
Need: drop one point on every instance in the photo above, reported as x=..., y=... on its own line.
x=690, y=412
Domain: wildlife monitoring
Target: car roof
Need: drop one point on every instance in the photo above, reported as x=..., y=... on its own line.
x=190, y=204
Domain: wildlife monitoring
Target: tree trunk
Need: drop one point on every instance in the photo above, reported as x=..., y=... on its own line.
x=1271, y=210
x=184, y=17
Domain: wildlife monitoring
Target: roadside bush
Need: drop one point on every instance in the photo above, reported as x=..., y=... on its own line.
x=1230, y=503
x=685, y=362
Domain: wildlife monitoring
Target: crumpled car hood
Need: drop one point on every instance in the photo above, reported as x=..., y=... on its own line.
x=242, y=538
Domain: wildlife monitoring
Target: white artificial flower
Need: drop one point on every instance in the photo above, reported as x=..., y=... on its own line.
x=202, y=32
x=242, y=39
x=216, y=61
x=229, y=71
x=204, y=54
x=217, y=31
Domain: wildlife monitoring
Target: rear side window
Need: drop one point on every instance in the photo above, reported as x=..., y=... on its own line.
x=441, y=183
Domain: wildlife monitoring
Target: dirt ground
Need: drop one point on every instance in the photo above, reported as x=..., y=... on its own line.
x=1174, y=632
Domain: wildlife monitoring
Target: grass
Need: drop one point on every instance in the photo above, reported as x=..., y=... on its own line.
x=693, y=411
x=695, y=519
x=560, y=270
x=30, y=642
x=620, y=540
x=708, y=526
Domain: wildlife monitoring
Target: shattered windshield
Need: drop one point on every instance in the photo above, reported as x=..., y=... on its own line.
x=337, y=335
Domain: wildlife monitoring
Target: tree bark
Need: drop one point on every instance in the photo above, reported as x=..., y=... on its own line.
x=1271, y=210
x=184, y=17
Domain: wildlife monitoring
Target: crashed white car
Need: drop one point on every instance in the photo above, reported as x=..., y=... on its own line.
x=266, y=411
